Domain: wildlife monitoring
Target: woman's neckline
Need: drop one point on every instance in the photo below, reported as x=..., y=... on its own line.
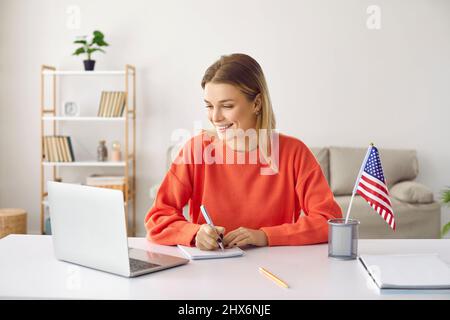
x=214, y=139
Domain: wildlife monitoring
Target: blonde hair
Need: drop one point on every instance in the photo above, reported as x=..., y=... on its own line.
x=245, y=73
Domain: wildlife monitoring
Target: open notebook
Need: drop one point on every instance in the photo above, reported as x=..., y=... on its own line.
x=408, y=271
x=195, y=253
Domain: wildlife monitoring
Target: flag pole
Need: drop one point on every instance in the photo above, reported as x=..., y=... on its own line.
x=357, y=181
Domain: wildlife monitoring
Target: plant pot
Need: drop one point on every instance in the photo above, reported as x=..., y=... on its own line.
x=89, y=65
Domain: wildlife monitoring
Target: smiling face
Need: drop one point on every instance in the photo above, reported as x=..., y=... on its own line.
x=229, y=109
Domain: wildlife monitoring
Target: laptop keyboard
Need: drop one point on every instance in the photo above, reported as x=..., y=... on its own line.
x=137, y=265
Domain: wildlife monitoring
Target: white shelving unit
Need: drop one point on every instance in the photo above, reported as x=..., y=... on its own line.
x=85, y=164
x=49, y=116
x=100, y=119
x=51, y=72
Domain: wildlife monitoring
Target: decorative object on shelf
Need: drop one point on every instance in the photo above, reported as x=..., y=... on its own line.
x=446, y=200
x=58, y=149
x=102, y=151
x=112, y=104
x=116, y=154
x=70, y=109
x=89, y=47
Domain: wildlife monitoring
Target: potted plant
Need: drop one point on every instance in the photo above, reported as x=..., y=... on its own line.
x=446, y=200
x=89, y=47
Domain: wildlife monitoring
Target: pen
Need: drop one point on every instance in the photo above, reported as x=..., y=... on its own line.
x=274, y=278
x=209, y=221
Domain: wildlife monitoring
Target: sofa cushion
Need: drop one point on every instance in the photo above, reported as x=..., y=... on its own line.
x=419, y=221
x=322, y=156
x=345, y=162
x=411, y=192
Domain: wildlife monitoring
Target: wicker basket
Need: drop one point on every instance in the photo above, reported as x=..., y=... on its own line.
x=12, y=221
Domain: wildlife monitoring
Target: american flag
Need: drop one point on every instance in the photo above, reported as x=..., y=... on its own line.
x=372, y=187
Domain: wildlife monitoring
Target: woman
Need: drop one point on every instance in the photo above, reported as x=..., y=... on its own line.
x=250, y=202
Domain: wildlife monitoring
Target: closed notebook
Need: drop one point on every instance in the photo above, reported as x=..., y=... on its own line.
x=195, y=253
x=408, y=271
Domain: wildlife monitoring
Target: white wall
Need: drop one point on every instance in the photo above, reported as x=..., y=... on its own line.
x=332, y=80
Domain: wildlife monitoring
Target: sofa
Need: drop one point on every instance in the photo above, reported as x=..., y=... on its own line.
x=416, y=213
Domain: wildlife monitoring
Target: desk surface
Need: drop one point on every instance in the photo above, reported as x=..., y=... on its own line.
x=28, y=269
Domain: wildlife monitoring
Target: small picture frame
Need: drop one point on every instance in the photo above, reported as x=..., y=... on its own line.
x=70, y=109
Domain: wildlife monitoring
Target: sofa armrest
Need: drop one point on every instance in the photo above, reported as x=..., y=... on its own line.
x=411, y=192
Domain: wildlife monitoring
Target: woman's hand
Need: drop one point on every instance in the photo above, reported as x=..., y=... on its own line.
x=207, y=238
x=244, y=236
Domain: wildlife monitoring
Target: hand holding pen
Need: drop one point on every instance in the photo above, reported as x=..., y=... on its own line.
x=209, y=237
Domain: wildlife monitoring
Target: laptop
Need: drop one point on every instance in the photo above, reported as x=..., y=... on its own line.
x=89, y=229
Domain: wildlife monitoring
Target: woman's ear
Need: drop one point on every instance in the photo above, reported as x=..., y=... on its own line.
x=257, y=103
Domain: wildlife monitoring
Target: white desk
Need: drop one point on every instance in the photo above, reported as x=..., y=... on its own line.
x=28, y=269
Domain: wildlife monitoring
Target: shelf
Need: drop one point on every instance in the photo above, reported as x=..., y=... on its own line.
x=85, y=73
x=50, y=79
x=45, y=202
x=85, y=164
x=105, y=119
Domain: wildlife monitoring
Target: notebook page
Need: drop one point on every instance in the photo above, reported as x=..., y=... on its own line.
x=195, y=253
x=412, y=271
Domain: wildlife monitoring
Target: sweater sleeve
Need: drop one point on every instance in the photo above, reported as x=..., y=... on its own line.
x=318, y=205
x=165, y=223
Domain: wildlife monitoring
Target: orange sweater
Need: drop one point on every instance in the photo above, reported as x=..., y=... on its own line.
x=238, y=195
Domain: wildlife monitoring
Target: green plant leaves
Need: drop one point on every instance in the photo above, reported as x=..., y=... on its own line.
x=97, y=41
x=98, y=34
x=446, y=200
x=90, y=50
x=81, y=42
x=446, y=196
x=445, y=229
x=79, y=51
x=100, y=42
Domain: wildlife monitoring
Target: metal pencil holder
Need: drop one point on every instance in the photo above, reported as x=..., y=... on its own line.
x=343, y=239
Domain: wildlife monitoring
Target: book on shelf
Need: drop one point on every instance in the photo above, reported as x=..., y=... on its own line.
x=65, y=149
x=53, y=156
x=112, y=104
x=53, y=150
x=119, y=102
x=102, y=103
x=58, y=149
x=110, y=107
x=69, y=144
